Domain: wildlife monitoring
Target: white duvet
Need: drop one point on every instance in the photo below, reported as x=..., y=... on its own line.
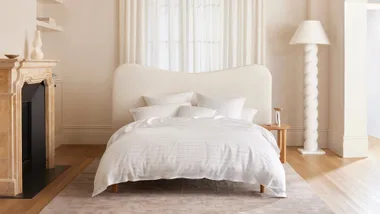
x=212, y=148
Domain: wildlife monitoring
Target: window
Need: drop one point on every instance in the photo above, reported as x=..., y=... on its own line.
x=190, y=35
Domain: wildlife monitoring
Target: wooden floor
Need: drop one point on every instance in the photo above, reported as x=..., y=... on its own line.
x=76, y=156
x=346, y=185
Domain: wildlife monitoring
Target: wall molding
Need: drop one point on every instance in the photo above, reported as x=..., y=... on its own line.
x=301, y=128
x=58, y=80
x=354, y=137
x=343, y=137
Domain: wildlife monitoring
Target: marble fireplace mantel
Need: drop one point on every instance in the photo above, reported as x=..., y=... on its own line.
x=14, y=74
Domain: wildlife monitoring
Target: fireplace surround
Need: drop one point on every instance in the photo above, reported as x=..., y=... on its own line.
x=14, y=74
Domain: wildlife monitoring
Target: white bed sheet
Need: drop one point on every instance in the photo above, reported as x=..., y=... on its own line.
x=213, y=148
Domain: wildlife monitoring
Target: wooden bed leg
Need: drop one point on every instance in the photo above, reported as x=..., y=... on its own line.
x=262, y=188
x=115, y=188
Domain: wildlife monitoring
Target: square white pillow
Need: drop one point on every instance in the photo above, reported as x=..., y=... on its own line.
x=195, y=112
x=248, y=114
x=228, y=107
x=169, y=99
x=161, y=111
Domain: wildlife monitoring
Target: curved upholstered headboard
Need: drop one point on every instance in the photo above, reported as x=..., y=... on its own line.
x=131, y=82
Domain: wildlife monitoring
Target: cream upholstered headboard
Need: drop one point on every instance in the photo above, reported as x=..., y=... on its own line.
x=131, y=82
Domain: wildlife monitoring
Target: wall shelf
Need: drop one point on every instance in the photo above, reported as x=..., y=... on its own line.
x=46, y=27
x=50, y=1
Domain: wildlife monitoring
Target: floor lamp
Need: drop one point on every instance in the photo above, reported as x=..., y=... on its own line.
x=310, y=33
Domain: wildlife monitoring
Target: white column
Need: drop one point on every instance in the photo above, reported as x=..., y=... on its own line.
x=355, y=138
x=311, y=101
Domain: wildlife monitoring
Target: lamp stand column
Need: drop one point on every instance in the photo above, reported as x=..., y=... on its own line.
x=311, y=102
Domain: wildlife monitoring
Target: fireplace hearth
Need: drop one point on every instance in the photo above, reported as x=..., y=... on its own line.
x=35, y=176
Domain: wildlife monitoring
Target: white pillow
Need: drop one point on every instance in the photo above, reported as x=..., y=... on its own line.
x=162, y=111
x=195, y=112
x=248, y=114
x=228, y=107
x=169, y=99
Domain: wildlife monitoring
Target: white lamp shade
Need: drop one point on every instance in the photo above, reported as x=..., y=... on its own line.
x=310, y=32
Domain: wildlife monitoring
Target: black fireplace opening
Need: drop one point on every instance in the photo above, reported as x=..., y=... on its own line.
x=33, y=129
x=35, y=176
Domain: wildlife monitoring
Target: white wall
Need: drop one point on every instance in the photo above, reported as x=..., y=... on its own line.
x=88, y=52
x=17, y=24
x=373, y=73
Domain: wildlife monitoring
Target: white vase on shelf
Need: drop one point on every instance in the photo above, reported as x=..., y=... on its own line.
x=37, y=45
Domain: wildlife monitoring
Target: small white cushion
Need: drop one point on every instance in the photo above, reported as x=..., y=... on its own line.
x=228, y=107
x=169, y=99
x=161, y=111
x=195, y=112
x=248, y=114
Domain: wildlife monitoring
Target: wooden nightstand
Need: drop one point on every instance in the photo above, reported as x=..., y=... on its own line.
x=281, y=138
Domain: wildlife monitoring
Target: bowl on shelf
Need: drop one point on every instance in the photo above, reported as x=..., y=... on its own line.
x=11, y=56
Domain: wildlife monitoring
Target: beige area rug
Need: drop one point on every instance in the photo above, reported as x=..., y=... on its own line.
x=185, y=196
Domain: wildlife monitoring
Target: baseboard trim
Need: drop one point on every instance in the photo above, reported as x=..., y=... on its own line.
x=335, y=143
x=87, y=134
x=355, y=146
x=347, y=146
x=88, y=127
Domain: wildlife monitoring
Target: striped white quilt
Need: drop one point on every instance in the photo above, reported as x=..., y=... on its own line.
x=213, y=148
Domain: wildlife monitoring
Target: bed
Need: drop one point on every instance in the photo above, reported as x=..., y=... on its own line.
x=216, y=148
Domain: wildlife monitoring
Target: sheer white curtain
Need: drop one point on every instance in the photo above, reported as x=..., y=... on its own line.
x=191, y=35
